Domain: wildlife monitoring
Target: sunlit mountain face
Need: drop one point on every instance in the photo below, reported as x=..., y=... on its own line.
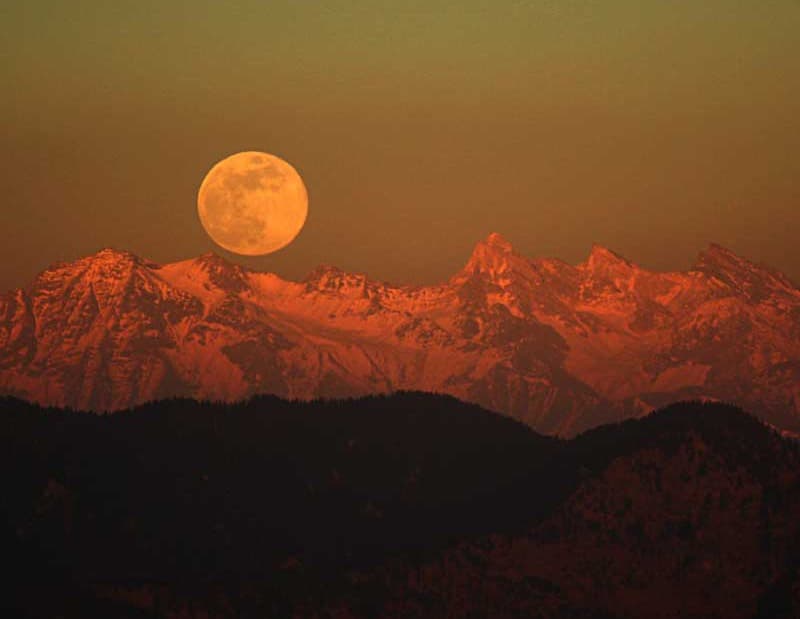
x=560, y=347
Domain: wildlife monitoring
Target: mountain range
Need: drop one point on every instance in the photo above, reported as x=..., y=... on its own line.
x=560, y=347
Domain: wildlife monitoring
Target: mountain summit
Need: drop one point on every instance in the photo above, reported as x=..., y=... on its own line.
x=560, y=347
x=603, y=258
x=495, y=259
x=491, y=254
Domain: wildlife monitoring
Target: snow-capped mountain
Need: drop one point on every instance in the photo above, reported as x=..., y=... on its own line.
x=560, y=347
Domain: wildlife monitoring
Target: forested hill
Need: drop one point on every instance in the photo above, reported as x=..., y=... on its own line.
x=282, y=507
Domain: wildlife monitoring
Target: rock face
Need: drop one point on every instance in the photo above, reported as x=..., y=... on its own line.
x=560, y=347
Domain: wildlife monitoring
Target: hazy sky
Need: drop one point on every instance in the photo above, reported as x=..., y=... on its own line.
x=652, y=127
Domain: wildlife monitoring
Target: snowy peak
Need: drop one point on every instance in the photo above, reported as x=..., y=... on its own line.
x=718, y=257
x=222, y=274
x=494, y=247
x=603, y=259
x=333, y=280
x=110, y=255
x=324, y=272
x=211, y=261
x=754, y=281
x=497, y=242
x=607, y=278
x=494, y=258
x=107, y=262
x=551, y=344
x=107, y=276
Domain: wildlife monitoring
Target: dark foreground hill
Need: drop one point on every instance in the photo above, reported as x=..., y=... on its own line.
x=409, y=505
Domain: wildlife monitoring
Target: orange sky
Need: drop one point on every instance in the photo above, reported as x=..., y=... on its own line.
x=419, y=127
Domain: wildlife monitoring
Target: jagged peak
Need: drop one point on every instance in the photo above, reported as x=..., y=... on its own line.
x=717, y=248
x=211, y=262
x=328, y=273
x=220, y=272
x=323, y=270
x=490, y=248
x=497, y=242
x=731, y=267
x=716, y=254
x=491, y=254
x=723, y=262
x=600, y=255
x=113, y=255
x=333, y=280
x=210, y=255
x=106, y=259
x=210, y=259
x=114, y=252
x=329, y=277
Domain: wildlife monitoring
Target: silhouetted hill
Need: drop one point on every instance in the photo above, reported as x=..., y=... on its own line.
x=179, y=486
x=690, y=512
x=410, y=505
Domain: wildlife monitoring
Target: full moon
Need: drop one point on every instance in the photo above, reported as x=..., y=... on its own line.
x=252, y=203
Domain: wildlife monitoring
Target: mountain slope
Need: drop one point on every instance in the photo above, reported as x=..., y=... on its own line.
x=401, y=506
x=560, y=347
x=691, y=512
